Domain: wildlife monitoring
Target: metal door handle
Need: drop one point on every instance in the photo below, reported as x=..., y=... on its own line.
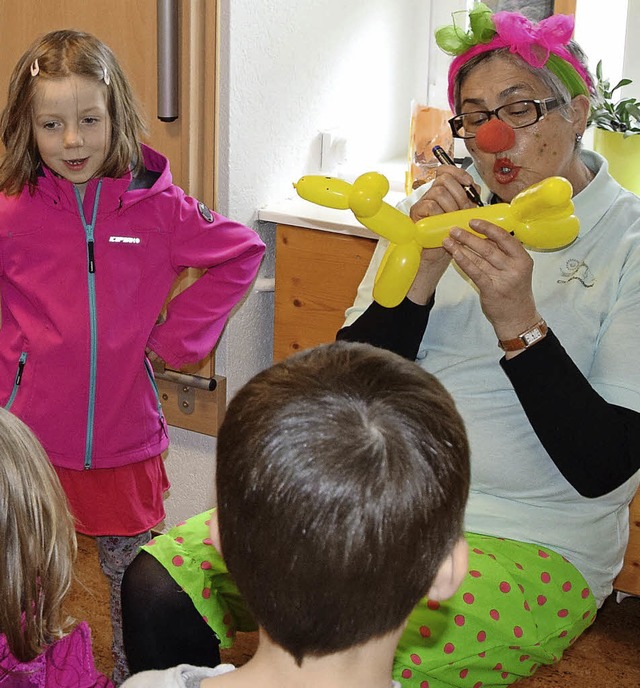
x=167, y=21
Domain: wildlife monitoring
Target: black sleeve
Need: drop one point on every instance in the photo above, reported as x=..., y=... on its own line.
x=594, y=444
x=398, y=329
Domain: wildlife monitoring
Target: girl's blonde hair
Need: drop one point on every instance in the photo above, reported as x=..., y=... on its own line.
x=37, y=543
x=57, y=55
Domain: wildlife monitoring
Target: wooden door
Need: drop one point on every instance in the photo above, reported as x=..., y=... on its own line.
x=128, y=27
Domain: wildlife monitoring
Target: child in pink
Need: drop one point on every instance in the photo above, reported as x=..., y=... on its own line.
x=36, y=559
x=93, y=234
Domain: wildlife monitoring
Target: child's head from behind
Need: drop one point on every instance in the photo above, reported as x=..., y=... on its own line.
x=342, y=479
x=37, y=542
x=67, y=57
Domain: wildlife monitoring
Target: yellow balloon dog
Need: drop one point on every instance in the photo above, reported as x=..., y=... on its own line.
x=541, y=217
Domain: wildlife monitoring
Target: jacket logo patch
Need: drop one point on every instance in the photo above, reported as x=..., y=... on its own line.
x=123, y=240
x=205, y=212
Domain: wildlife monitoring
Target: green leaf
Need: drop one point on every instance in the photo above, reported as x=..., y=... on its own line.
x=622, y=115
x=620, y=84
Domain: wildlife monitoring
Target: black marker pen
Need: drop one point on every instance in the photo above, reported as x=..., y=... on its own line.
x=444, y=159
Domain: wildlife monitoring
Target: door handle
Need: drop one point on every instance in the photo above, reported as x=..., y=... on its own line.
x=167, y=23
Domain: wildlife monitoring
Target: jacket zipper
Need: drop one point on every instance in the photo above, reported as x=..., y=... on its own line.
x=18, y=379
x=93, y=319
x=154, y=384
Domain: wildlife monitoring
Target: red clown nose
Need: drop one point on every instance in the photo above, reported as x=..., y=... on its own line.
x=495, y=136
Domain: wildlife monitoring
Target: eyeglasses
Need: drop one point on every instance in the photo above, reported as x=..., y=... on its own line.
x=522, y=113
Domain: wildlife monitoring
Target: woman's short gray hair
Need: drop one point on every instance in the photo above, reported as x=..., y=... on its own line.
x=555, y=85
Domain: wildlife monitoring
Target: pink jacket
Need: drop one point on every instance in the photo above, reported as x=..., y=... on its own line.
x=80, y=300
x=67, y=663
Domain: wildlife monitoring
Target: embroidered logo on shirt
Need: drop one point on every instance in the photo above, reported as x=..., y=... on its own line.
x=575, y=269
x=123, y=240
x=205, y=212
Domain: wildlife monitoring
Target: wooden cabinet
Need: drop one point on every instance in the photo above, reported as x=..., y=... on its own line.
x=317, y=276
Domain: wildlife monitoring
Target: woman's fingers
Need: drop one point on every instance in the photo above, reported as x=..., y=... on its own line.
x=446, y=194
x=498, y=247
x=499, y=267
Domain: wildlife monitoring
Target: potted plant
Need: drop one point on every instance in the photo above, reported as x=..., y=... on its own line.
x=617, y=125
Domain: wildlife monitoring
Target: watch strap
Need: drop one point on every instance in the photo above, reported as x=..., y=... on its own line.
x=525, y=339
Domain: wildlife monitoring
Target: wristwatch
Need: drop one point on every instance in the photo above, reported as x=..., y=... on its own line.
x=525, y=339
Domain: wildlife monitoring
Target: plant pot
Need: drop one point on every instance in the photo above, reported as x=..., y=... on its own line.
x=623, y=156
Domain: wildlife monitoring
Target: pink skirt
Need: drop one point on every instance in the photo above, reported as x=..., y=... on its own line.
x=127, y=500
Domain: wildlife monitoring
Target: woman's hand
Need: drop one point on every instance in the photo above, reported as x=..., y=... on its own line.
x=445, y=195
x=502, y=271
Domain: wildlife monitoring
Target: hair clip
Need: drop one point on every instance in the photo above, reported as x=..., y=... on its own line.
x=105, y=76
x=35, y=68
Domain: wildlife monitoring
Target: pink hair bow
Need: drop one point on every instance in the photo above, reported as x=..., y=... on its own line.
x=534, y=42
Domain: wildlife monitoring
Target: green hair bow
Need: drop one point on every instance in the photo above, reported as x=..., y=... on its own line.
x=454, y=41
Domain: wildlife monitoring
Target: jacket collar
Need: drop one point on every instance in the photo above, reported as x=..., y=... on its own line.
x=114, y=194
x=61, y=193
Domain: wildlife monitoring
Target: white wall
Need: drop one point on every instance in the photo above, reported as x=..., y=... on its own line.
x=290, y=70
x=631, y=63
x=602, y=35
x=610, y=36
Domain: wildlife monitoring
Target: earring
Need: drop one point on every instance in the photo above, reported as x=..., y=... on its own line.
x=578, y=138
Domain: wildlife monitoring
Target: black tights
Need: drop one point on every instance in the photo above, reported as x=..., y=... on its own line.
x=161, y=627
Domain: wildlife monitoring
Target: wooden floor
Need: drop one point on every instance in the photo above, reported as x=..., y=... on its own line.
x=606, y=656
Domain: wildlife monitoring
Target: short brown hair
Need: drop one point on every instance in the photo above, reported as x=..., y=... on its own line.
x=37, y=543
x=62, y=54
x=342, y=478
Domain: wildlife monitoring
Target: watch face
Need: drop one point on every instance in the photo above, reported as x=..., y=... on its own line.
x=532, y=336
x=525, y=339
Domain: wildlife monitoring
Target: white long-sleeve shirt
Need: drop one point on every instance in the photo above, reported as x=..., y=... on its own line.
x=589, y=294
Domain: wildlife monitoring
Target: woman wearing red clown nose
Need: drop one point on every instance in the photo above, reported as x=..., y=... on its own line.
x=494, y=136
x=554, y=425
x=538, y=350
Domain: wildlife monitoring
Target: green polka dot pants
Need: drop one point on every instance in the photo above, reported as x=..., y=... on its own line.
x=186, y=551
x=520, y=606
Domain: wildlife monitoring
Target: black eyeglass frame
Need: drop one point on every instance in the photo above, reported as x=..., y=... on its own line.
x=543, y=108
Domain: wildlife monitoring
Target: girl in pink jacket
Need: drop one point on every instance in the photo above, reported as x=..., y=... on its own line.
x=93, y=234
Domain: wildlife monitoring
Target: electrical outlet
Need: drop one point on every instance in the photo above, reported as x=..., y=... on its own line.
x=333, y=150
